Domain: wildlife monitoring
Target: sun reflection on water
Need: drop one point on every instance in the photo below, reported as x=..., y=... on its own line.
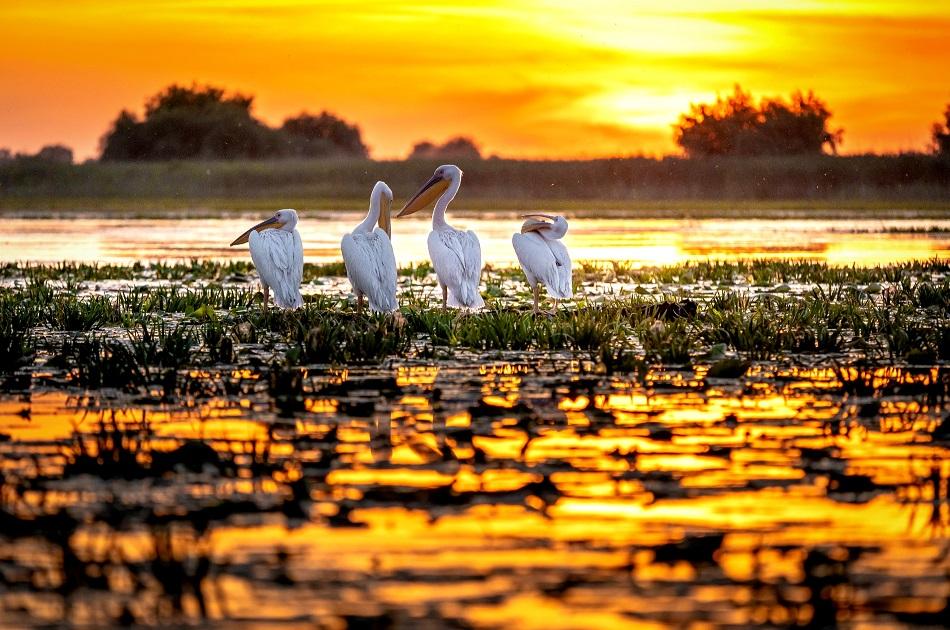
x=495, y=494
x=642, y=242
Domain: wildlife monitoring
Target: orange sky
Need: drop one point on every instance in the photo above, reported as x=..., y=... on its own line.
x=525, y=78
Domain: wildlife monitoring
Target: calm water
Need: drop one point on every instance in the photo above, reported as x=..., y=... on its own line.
x=641, y=242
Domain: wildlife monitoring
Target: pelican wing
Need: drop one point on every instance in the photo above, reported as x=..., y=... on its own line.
x=457, y=259
x=562, y=258
x=371, y=268
x=278, y=256
x=545, y=261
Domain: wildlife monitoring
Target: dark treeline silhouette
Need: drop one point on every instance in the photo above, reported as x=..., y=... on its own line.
x=316, y=136
x=941, y=135
x=53, y=153
x=205, y=122
x=737, y=126
x=303, y=183
x=734, y=149
x=458, y=148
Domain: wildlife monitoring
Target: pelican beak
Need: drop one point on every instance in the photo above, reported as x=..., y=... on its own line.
x=429, y=192
x=385, y=217
x=270, y=223
x=533, y=225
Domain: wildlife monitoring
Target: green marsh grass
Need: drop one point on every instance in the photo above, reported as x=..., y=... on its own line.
x=898, y=313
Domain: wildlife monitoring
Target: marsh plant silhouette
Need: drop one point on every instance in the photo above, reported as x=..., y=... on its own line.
x=737, y=126
x=206, y=122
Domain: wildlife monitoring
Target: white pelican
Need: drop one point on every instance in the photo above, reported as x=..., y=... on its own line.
x=277, y=252
x=544, y=257
x=368, y=255
x=456, y=254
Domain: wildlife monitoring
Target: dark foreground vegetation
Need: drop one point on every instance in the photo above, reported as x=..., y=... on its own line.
x=775, y=433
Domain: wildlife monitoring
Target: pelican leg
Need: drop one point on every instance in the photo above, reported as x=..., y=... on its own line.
x=266, y=296
x=537, y=296
x=359, y=304
x=554, y=309
x=445, y=297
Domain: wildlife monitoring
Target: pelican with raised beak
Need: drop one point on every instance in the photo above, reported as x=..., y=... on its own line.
x=368, y=255
x=277, y=252
x=544, y=257
x=456, y=254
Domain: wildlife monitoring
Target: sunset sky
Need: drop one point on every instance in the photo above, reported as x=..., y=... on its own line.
x=524, y=78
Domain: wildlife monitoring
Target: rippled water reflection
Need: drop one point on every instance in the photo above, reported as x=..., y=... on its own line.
x=640, y=241
x=522, y=492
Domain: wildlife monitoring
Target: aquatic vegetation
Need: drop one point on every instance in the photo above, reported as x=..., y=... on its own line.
x=157, y=344
x=16, y=347
x=331, y=336
x=75, y=314
x=100, y=363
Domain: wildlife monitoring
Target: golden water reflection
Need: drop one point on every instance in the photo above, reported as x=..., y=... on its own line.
x=503, y=495
x=638, y=241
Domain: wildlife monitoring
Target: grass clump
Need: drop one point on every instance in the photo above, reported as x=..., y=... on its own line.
x=158, y=344
x=96, y=363
x=340, y=339
x=81, y=314
x=16, y=348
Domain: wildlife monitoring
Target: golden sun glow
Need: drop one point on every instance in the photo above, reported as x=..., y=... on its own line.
x=530, y=78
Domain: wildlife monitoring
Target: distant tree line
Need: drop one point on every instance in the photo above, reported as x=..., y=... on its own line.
x=205, y=122
x=54, y=153
x=735, y=125
x=458, y=148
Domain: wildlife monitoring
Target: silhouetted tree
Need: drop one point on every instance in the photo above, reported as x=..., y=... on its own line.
x=424, y=149
x=459, y=147
x=941, y=135
x=205, y=122
x=195, y=122
x=55, y=153
x=315, y=136
x=736, y=126
x=58, y=153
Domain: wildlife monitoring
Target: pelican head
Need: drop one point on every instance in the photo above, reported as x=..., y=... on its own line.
x=282, y=220
x=382, y=197
x=444, y=176
x=556, y=228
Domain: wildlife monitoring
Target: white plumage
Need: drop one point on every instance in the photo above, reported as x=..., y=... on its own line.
x=368, y=255
x=544, y=257
x=457, y=259
x=277, y=252
x=456, y=254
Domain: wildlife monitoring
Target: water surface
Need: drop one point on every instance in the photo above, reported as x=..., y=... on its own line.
x=638, y=241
